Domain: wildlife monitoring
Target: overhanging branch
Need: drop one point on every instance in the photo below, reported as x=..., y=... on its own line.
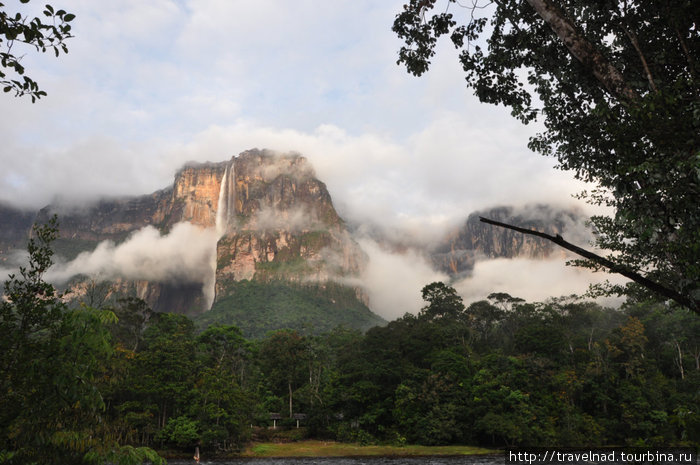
x=614, y=267
x=584, y=50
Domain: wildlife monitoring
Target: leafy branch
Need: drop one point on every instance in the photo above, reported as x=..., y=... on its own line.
x=46, y=34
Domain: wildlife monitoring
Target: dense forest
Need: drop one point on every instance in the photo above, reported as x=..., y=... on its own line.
x=258, y=307
x=88, y=385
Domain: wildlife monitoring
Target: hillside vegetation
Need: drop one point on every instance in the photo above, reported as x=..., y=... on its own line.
x=259, y=307
x=110, y=385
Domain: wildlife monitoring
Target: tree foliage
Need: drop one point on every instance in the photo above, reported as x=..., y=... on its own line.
x=42, y=34
x=615, y=84
x=505, y=372
x=52, y=360
x=77, y=386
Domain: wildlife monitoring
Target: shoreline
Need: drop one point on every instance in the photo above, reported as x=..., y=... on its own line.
x=317, y=448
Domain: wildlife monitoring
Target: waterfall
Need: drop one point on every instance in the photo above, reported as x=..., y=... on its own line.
x=222, y=207
x=225, y=210
x=231, y=196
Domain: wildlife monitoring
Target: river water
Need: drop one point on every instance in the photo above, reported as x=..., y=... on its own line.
x=434, y=460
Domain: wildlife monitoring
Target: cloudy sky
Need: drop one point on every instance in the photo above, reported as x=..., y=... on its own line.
x=147, y=86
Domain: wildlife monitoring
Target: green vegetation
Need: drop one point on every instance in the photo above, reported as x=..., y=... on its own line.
x=110, y=385
x=311, y=448
x=47, y=32
x=282, y=266
x=615, y=86
x=52, y=361
x=258, y=307
x=315, y=240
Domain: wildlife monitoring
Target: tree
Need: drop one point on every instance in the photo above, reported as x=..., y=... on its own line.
x=134, y=315
x=616, y=86
x=443, y=302
x=165, y=368
x=42, y=35
x=51, y=358
x=283, y=356
x=222, y=407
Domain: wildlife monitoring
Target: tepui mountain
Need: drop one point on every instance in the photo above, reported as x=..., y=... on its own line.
x=260, y=237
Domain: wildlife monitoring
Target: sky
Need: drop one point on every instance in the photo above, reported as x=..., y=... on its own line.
x=149, y=86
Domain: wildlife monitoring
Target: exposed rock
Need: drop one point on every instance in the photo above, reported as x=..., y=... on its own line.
x=195, y=194
x=161, y=297
x=282, y=225
x=15, y=225
x=474, y=240
x=275, y=220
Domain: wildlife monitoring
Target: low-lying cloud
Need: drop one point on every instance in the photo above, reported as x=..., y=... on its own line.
x=531, y=279
x=186, y=254
x=394, y=281
x=270, y=219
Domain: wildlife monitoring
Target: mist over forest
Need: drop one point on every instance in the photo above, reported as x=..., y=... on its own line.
x=407, y=227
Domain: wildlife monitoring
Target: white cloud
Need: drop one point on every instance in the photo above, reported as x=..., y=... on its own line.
x=445, y=172
x=148, y=86
x=530, y=279
x=394, y=281
x=186, y=254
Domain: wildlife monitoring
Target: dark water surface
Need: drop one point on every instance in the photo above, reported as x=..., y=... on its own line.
x=433, y=460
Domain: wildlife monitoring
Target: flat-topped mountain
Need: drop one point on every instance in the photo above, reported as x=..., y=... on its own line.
x=459, y=250
x=254, y=240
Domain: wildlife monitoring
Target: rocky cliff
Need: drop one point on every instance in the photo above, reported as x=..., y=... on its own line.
x=195, y=195
x=192, y=198
x=474, y=240
x=15, y=225
x=279, y=223
x=260, y=224
x=273, y=221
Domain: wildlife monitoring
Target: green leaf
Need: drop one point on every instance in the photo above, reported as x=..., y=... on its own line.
x=69, y=17
x=7, y=89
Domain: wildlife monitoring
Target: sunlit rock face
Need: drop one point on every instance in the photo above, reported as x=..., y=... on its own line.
x=193, y=197
x=475, y=240
x=195, y=194
x=258, y=216
x=273, y=221
x=281, y=224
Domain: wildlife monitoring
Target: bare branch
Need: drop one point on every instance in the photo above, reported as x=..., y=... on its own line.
x=688, y=302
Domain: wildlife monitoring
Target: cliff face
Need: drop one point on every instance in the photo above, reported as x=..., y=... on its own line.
x=161, y=297
x=195, y=194
x=474, y=240
x=265, y=218
x=111, y=219
x=193, y=198
x=279, y=224
x=273, y=218
x=15, y=226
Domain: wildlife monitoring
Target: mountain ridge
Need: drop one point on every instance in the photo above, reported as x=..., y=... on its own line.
x=259, y=217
